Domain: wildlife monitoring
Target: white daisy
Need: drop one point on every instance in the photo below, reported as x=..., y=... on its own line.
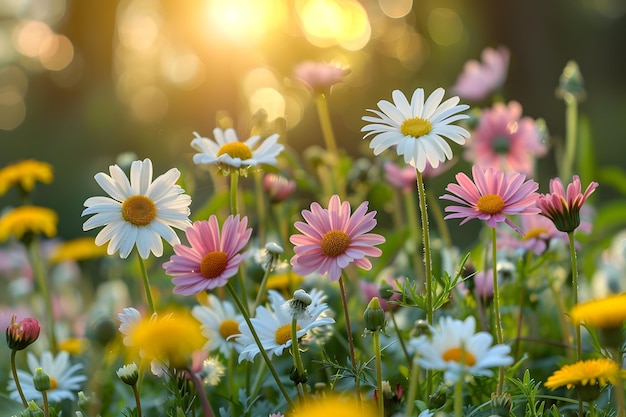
x=219, y=322
x=65, y=379
x=139, y=212
x=417, y=129
x=273, y=326
x=456, y=349
x=227, y=151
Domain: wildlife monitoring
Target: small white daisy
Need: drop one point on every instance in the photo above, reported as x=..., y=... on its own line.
x=417, y=129
x=228, y=152
x=65, y=378
x=456, y=349
x=138, y=212
x=273, y=325
x=219, y=323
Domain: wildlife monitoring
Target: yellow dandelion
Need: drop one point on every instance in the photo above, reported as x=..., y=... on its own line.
x=607, y=312
x=77, y=250
x=74, y=345
x=333, y=405
x=584, y=373
x=25, y=174
x=284, y=282
x=28, y=219
x=173, y=337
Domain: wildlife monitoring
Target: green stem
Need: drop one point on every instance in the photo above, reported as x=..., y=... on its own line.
x=618, y=388
x=458, y=397
x=571, y=124
x=379, y=374
x=41, y=277
x=572, y=249
x=496, y=304
x=46, y=407
x=337, y=182
x=442, y=226
x=146, y=283
x=261, y=293
x=16, y=379
x=413, y=389
x=297, y=360
x=344, y=301
x=234, y=185
x=255, y=336
x=137, y=400
x=414, y=228
x=261, y=207
x=400, y=338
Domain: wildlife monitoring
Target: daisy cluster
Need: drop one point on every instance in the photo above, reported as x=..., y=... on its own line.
x=322, y=282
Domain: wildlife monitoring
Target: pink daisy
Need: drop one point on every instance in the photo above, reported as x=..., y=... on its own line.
x=563, y=207
x=319, y=76
x=212, y=258
x=491, y=196
x=333, y=238
x=505, y=140
x=479, y=79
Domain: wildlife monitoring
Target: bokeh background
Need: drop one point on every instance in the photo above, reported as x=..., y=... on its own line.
x=83, y=81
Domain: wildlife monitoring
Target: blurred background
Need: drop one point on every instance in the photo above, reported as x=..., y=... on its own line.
x=83, y=81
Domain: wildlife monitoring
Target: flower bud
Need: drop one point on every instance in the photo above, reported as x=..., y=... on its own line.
x=41, y=380
x=278, y=187
x=571, y=82
x=374, y=316
x=20, y=334
x=128, y=374
x=33, y=410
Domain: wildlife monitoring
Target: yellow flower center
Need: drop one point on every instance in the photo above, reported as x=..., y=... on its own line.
x=416, y=127
x=213, y=264
x=236, y=150
x=228, y=328
x=535, y=233
x=138, y=210
x=53, y=383
x=490, y=204
x=459, y=355
x=334, y=243
x=283, y=333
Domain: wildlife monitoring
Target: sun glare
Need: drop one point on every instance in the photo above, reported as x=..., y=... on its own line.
x=244, y=22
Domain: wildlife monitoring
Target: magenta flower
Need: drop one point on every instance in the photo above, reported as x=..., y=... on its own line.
x=491, y=197
x=319, y=76
x=505, y=140
x=562, y=207
x=212, y=259
x=333, y=238
x=21, y=334
x=479, y=79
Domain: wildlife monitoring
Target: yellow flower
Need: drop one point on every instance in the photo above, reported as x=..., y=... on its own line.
x=25, y=174
x=333, y=405
x=284, y=282
x=74, y=345
x=172, y=336
x=589, y=372
x=28, y=219
x=604, y=313
x=77, y=250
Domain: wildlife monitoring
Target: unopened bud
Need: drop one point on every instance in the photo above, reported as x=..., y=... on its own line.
x=374, y=316
x=128, y=374
x=571, y=82
x=41, y=380
x=33, y=410
x=20, y=334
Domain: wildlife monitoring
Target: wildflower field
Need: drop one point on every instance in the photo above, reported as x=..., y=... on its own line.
x=264, y=278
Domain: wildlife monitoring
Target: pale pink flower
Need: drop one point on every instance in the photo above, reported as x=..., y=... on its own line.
x=333, y=238
x=404, y=179
x=320, y=76
x=505, y=140
x=479, y=79
x=212, y=258
x=277, y=187
x=563, y=207
x=373, y=289
x=491, y=197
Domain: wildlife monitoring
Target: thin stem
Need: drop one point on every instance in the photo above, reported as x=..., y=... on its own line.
x=572, y=249
x=297, y=360
x=204, y=401
x=255, y=336
x=16, y=379
x=379, y=374
x=496, y=304
x=46, y=407
x=400, y=338
x=428, y=285
x=344, y=301
x=337, y=182
x=263, y=286
x=413, y=389
x=137, y=400
x=146, y=283
x=234, y=185
x=415, y=230
x=442, y=226
x=458, y=397
x=618, y=388
x=261, y=206
x=41, y=277
x=571, y=124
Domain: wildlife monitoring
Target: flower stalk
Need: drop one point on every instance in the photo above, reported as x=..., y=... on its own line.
x=496, y=305
x=146, y=283
x=344, y=302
